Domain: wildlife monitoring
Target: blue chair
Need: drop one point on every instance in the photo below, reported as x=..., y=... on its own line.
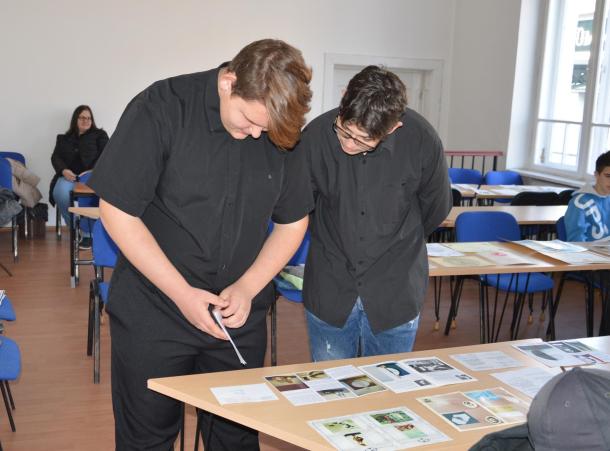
x=463, y=175
x=105, y=253
x=495, y=226
x=14, y=156
x=291, y=294
x=10, y=368
x=6, y=181
x=503, y=178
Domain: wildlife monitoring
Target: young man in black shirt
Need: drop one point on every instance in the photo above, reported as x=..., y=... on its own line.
x=189, y=182
x=381, y=186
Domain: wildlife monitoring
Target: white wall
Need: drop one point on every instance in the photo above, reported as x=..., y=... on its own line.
x=58, y=54
x=483, y=56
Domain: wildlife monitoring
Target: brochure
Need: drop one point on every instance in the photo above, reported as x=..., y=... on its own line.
x=388, y=429
x=527, y=380
x=564, y=353
x=317, y=386
x=415, y=374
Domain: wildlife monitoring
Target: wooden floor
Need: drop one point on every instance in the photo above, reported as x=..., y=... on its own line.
x=59, y=407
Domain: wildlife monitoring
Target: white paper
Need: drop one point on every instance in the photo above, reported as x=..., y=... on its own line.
x=437, y=371
x=482, y=361
x=311, y=387
x=578, y=258
x=379, y=430
x=553, y=356
x=438, y=250
x=551, y=246
x=218, y=317
x=527, y=380
x=243, y=393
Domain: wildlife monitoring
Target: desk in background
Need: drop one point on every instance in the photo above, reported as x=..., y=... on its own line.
x=79, y=190
x=282, y=420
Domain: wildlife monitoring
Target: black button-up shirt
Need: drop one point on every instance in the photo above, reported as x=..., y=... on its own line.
x=373, y=212
x=206, y=197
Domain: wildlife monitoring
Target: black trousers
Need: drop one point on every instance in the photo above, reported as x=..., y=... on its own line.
x=150, y=339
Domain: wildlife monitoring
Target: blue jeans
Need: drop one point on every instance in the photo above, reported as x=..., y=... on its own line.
x=355, y=338
x=61, y=194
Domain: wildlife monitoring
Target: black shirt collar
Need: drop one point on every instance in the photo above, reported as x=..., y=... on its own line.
x=212, y=101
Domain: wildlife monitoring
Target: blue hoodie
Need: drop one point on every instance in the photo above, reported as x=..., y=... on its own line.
x=588, y=215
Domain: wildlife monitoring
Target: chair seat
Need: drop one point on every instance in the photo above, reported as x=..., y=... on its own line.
x=10, y=359
x=104, y=287
x=288, y=290
x=7, y=313
x=537, y=282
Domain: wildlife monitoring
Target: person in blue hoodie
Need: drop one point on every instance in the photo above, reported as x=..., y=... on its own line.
x=588, y=215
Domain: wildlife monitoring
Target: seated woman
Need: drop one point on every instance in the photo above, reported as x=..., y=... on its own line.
x=75, y=153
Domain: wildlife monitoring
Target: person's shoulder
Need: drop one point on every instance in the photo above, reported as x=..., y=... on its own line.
x=323, y=122
x=179, y=86
x=413, y=121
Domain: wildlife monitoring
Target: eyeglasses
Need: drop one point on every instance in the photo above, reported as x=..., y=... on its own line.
x=345, y=135
x=84, y=118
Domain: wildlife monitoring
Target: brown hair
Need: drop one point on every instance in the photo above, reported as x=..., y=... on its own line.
x=73, y=122
x=374, y=101
x=274, y=73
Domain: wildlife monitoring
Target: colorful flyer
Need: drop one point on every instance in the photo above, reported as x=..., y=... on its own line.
x=461, y=412
x=501, y=403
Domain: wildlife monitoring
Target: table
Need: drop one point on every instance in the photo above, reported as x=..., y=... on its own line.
x=289, y=423
x=79, y=190
x=541, y=263
x=525, y=215
x=469, y=191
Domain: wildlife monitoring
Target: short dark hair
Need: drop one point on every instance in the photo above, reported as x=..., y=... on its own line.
x=374, y=101
x=74, y=121
x=603, y=161
x=274, y=73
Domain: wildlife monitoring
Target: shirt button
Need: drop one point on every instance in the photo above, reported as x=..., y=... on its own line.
x=224, y=267
x=362, y=213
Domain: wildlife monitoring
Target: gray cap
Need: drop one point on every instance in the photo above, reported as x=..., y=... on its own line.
x=572, y=411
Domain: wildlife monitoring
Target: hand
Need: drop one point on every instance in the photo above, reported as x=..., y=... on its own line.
x=194, y=306
x=68, y=175
x=240, y=303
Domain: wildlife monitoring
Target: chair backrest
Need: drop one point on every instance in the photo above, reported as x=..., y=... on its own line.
x=565, y=196
x=14, y=156
x=486, y=226
x=535, y=198
x=6, y=174
x=503, y=178
x=560, y=226
x=462, y=175
x=104, y=249
x=457, y=197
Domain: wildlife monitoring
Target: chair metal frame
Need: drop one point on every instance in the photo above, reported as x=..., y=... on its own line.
x=105, y=254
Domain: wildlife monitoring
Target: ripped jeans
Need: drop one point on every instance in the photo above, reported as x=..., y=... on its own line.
x=355, y=338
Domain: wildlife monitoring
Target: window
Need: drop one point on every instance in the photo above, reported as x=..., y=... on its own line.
x=573, y=120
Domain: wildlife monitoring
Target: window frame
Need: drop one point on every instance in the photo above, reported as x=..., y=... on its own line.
x=586, y=124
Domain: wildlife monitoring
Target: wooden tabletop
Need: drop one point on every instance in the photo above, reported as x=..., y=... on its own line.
x=541, y=263
x=525, y=215
x=81, y=188
x=289, y=423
